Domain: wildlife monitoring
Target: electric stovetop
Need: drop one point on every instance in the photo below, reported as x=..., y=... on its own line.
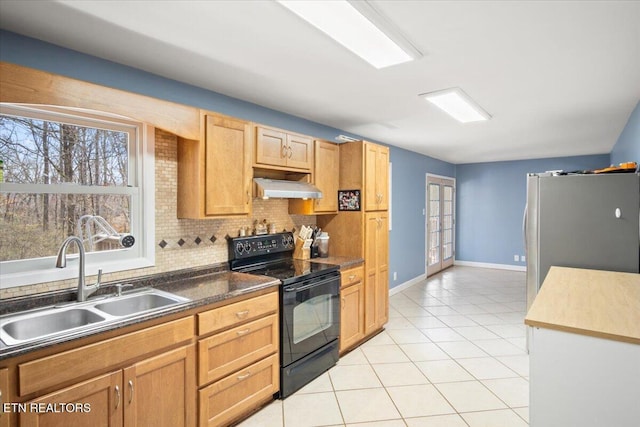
x=290, y=270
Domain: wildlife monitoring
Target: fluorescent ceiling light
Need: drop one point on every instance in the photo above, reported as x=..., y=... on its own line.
x=347, y=24
x=457, y=104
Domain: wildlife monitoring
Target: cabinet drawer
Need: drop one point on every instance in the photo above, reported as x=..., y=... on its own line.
x=232, y=396
x=232, y=314
x=236, y=348
x=351, y=276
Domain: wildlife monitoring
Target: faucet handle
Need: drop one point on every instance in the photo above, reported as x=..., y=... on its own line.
x=99, y=277
x=119, y=288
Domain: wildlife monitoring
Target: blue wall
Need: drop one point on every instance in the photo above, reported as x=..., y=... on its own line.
x=40, y=55
x=490, y=205
x=627, y=149
x=406, y=241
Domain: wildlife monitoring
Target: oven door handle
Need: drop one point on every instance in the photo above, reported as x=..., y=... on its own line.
x=310, y=285
x=300, y=288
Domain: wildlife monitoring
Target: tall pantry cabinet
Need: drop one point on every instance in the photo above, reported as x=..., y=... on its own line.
x=364, y=167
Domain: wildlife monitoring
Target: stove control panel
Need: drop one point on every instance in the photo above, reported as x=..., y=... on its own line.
x=253, y=246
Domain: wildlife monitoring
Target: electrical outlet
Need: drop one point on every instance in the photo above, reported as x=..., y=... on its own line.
x=516, y=258
x=395, y=276
x=523, y=258
x=423, y=212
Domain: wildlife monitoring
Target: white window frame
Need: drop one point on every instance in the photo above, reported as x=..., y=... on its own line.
x=142, y=159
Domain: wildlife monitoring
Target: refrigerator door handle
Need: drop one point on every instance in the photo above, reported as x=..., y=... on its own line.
x=524, y=231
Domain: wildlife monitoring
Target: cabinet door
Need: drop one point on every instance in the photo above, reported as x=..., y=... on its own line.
x=382, y=178
x=382, y=269
x=376, y=177
x=101, y=399
x=227, y=166
x=377, y=270
x=299, y=152
x=351, y=315
x=327, y=176
x=371, y=195
x=271, y=147
x=371, y=276
x=161, y=391
x=4, y=396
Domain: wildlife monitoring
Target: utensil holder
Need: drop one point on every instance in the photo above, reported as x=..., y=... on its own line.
x=302, y=249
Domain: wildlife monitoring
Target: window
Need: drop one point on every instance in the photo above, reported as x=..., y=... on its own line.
x=72, y=172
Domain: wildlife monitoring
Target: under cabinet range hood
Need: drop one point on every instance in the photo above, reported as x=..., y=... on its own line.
x=282, y=189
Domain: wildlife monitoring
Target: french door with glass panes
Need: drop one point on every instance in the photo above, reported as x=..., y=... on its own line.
x=440, y=223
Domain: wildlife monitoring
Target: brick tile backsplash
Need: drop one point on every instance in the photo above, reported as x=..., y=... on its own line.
x=171, y=230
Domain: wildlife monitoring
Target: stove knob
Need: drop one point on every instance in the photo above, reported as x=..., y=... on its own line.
x=290, y=240
x=247, y=247
x=239, y=248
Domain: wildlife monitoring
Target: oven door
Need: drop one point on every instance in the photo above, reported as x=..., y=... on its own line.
x=310, y=316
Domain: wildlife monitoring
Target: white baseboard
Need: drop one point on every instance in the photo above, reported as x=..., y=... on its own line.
x=489, y=265
x=401, y=287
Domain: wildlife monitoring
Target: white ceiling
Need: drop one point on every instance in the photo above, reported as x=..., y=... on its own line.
x=559, y=78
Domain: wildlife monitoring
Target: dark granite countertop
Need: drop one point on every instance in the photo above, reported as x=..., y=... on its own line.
x=343, y=261
x=202, y=286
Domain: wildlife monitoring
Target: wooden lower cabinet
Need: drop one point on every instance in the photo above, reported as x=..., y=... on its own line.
x=228, y=399
x=239, y=364
x=158, y=392
x=376, y=271
x=228, y=351
x=351, y=308
x=161, y=391
x=103, y=395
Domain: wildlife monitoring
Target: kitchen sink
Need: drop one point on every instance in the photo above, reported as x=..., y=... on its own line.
x=137, y=303
x=75, y=317
x=47, y=323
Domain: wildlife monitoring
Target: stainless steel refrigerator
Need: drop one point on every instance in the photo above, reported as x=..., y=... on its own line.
x=584, y=221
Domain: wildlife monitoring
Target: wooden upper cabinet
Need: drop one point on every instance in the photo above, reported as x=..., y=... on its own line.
x=276, y=149
x=376, y=177
x=214, y=173
x=300, y=151
x=271, y=147
x=327, y=176
x=227, y=166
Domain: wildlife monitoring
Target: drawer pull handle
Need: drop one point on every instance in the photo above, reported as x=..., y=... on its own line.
x=117, y=389
x=353, y=276
x=244, y=377
x=242, y=314
x=243, y=332
x=130, y=391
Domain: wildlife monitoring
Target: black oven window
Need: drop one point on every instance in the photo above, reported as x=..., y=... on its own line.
x=312, y=317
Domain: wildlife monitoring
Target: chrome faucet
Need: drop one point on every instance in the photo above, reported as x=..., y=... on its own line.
x=83, y=290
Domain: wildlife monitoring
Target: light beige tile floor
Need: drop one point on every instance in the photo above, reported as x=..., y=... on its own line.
x=452, y=355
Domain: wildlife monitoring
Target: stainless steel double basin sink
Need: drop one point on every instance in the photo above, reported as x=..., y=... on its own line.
x=71, y=318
